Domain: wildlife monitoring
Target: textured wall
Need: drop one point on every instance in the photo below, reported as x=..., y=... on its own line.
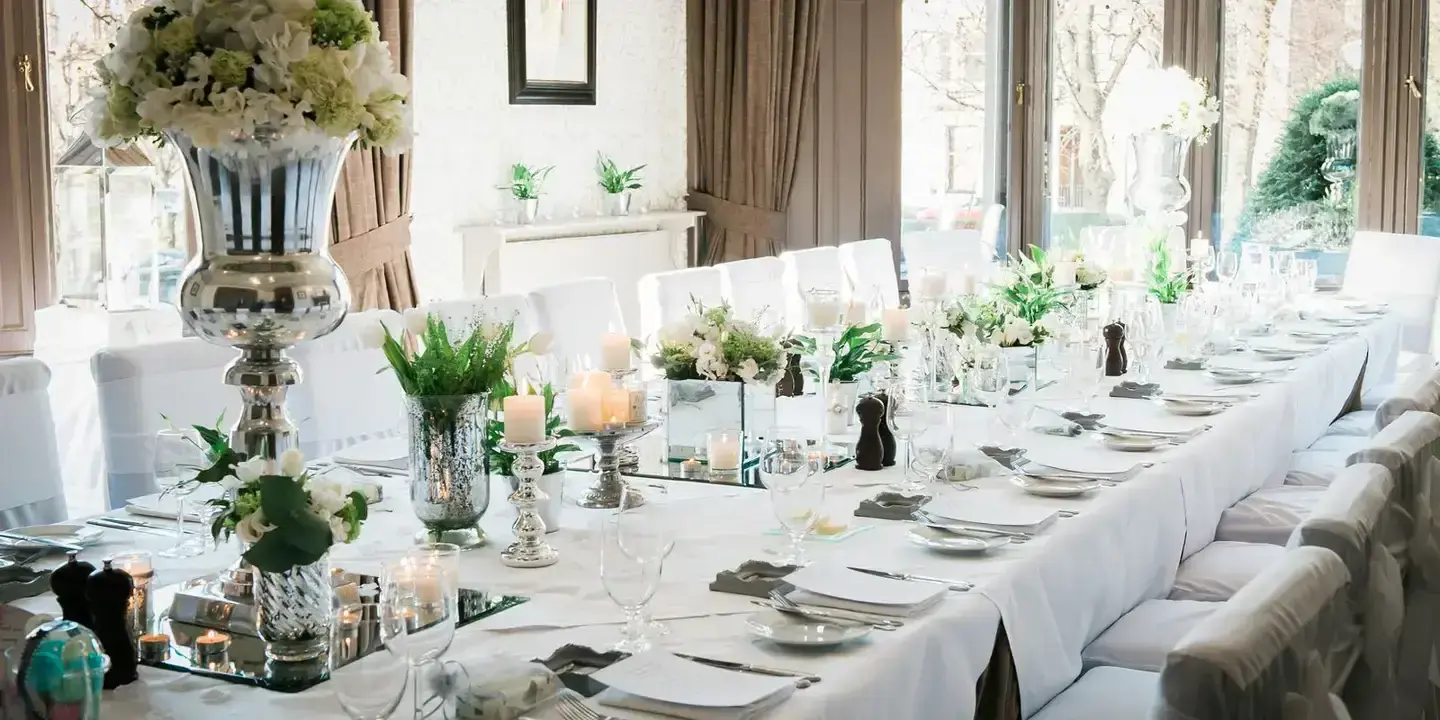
x=468, y=134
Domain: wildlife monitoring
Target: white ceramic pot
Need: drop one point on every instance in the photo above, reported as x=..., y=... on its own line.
x=843, y=396
x=1021, y=361
x=553, y=485
x=617, y=204
x=526, y=211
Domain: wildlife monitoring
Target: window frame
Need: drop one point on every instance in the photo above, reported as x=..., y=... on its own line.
x=26, y=254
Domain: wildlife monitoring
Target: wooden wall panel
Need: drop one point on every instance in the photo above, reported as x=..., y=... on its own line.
x=25, y=263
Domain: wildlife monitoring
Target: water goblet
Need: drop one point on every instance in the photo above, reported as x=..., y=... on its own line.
x=652, y=498
x=632, y=556
x=369, y=657
x=178, y=459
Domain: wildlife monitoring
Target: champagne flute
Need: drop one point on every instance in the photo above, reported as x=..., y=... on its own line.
x=178, y=459
x=990, y=378
x=369, y=657
x=1229, y=268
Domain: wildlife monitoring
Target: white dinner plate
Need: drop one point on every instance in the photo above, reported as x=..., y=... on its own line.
x=1191, y=408
x=794, y=631
x=1044, y=488
x=1364, y=308
x=955, y=542
x=1344, y=322
x=1231, y=377
x=1133, y=443
x=83, y=535
x=1278, y=354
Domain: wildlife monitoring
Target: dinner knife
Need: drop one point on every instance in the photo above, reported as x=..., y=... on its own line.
x=149, y=526
x=954, y=585
x=101, y=522
x=747, y=667
x=33, y=540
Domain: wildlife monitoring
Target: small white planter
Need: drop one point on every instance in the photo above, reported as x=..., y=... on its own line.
x=617, y=204
x=843, y=396
x=553, y=485
x=1021, y=361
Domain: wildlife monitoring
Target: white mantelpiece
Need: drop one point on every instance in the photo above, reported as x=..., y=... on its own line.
x=520, y=258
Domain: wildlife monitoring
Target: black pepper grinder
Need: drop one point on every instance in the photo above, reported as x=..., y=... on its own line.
x=887, y=434
x=792, y=382
x=870, y=449
x=1116, y=360
x=68, y=584
x=108, y=591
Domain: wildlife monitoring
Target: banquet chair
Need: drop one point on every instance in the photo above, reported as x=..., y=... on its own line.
x=1316, y=464
x=755, y=289
x=347, y=394
x=950, y=251
x=34, y=492
x=1281, y=639
x=1419, y=391
x=576, y=314
x=668, y=296
x=817, y=268
x=1403, y=271
x=870, y=267
x=144, y=388
x=992, y=229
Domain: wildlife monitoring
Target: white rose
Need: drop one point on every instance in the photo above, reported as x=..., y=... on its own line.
x=292, y=463
x=250, y=470
x=748, y=369
x=339, y=533
x=1016, y=332
x=328, y=496
x=230, y=483
x=540, y=343
x=416, y=321
x=252, y=527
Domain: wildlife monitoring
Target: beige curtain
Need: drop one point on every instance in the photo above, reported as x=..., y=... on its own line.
x=752, y=64
x=371, y=224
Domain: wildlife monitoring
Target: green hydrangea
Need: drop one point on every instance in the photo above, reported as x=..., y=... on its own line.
x=321, y=80
x=230, y=68
x=176, y=38
x=121, y=116
x=384, y=130
x=341, y=23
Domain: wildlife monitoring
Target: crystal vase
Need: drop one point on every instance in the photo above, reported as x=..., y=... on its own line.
x=294, y=609
x=449, y=473
x=1160, y=186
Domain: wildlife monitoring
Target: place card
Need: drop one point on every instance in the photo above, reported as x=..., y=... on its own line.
x=671, y=681
x=754, y=578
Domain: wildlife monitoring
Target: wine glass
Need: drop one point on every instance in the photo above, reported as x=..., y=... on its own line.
x=1229, y=267
x=632, y=556
x=908, y=417
x=369, y=654
x=930, y=447
x=423, y=595
x=797, y=493
x=989, y=378
x=178, y=459
x=652, y=498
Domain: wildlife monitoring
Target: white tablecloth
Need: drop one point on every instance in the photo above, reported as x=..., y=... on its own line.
x=1054, y=594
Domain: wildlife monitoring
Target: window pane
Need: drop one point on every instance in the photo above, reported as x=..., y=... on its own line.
x=1430, y=159
x=1287, y=176
x=1095, y=50
x=950, y=151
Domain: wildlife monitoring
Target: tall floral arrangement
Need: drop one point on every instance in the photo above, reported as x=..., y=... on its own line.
x=710, y=344
x=222, y=71
x=1173, y=102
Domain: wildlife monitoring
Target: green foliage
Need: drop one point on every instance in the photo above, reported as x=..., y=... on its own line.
x=1032, y=292
x=443, y=369
x=1165, y=283
x=613, y=179
x=525, y=181
x=500, y=461
x=857, y=350
x=340, y=24
x=1338, y=115
x=710, y=344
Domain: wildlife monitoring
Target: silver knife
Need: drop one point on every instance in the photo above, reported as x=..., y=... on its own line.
x=102, y=522
x=955, y=585
x=33, y=540
x=149, y=526
x=747, y=667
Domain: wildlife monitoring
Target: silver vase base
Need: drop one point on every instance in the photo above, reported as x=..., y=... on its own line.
x=466, y=539
x=295, y=651
x=605, y=495
x=532, y=556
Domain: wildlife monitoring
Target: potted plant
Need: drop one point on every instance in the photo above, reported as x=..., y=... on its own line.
x=617, y=184
x=288, y=518
x=857, y=350
x=1166, y=283
x=524, y=186
x=720, y=373
x=447, y=386
x=552, y=481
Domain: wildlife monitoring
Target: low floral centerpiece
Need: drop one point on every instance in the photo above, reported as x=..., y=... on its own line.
x=857, y=350
x=1019, y=314
x=720, y=374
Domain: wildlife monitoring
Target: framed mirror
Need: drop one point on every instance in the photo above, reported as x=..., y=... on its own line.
x=551, y=51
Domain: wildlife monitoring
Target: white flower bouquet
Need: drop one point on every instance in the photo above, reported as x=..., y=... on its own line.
x=710, y=344
x=993, y=321
x=1173, y=102
x=286, y=516
x=221, y=71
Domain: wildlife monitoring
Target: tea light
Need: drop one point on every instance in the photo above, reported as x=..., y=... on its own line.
x=638, y=409
x=822, y=309
x=212, y=643
x=691, y=468
x=615, y=352
x=895, y=325
x=154, y=647
x=1064, y=274
x=856, y=313
x=524, y=419
x=349, y=618
x=615, y=405
x=411, y=618
x=932, y=285
x=722, y=449
x=142, y=572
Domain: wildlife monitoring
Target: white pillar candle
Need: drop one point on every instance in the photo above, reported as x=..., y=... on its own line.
x=524, y=419
x=723, y=450
x=933, y=285
x=615, y=405
x=583, y=401
x=895, y=325
x=615, y=352
x=1064, y=274
x=822, y=309
x=856, y=313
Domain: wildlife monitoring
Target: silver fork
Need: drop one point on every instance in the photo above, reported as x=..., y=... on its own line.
x=571, y=708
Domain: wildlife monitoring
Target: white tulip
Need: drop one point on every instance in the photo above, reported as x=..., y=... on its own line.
x=292, y=463
x=540, y=343
x=230, y=483
x=372, y=336
x=416, y=321
x=250, y=470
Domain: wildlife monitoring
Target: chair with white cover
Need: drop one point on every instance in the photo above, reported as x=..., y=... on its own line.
x=992, y=226
x=144, y=388
x=347, y=394
x=577, y=314
x=950, y=251
x=755, y=289
x=817, y=268
x=870, y=267
x=668, y=296
x=34, y=492
x=1419, y=391
x=1403, y=271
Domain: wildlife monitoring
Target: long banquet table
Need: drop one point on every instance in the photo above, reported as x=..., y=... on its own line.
x=1053, y=594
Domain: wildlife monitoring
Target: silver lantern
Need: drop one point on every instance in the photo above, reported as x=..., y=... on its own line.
x=263, y=280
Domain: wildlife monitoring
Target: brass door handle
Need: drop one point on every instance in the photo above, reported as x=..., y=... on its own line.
x=1414, y=87
x=25, y=67
x=1020, y=93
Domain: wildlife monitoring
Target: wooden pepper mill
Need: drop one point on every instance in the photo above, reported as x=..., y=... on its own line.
x=870, y=449
x=108, y=591
x=887, y=434
x=792, y=382
x=68, y=583
x=1116, y=359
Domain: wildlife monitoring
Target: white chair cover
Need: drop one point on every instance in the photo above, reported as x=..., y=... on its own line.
x=143, y=325
x=1220, y=569
x=577, y=314
x=32, y=491
x=182, y=380
x=1358, y=423
x=347, y=392
x=1140, y=639
x=755, y=288
x=1404, y=271
x=991, y=226
x=1348, y=522
x=1269, y=515
x=953, y=251
x=1272, y=652
x=816, y=268
x=1315, y=467
x=668, y=296
x=1105, y=693
x=870, y=266
x=1420, y=391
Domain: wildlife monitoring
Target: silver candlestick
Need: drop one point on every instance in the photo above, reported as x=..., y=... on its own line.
x=605, y=493
x=529, y=549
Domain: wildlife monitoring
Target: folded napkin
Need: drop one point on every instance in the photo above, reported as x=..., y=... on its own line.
x=1183, y=364
x=1089, y=421
x=18, y=583
x=1004, y=456
x=167, y=506
x=1134, y=390
x=992, y=513
x=616, y=698
x=502, y=689
x=804, y=597
x=662, y=683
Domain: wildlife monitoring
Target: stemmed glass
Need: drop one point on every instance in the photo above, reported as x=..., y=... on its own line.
x=989, y=378
x=797, y=494
x=633, y=545
x=1229, y=267
x=423, y=595
x=652, y=498
x=908, y=418
x=178, y=458
x=929, y=448
x=369, y=651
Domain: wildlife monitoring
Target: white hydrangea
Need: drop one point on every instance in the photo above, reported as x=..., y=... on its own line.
x=748, y=369
x=327, y=496
x=710, y=362
x=1016, y=331
x=1169, y=100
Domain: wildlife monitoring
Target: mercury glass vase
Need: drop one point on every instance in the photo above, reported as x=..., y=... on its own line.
x=263, y=279
x=1160, y=186
x=294, y=609
x=449, y=472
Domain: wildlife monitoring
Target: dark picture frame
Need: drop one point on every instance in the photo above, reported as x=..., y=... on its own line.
x=528, y=90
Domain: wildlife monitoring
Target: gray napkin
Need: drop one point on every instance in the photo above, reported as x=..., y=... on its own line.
x=18, y=583
x=1004, y=456
x=1088, y=421
x=1179, y=364
x=754, y=578
x=1135, y=391
x=890, y=506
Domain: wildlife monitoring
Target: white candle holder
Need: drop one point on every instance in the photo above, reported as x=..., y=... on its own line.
x=824, y=358
x=529, y=549
x=605, y=493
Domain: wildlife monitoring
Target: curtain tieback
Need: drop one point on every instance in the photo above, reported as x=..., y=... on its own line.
x=359, y=254
x=742, y=218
